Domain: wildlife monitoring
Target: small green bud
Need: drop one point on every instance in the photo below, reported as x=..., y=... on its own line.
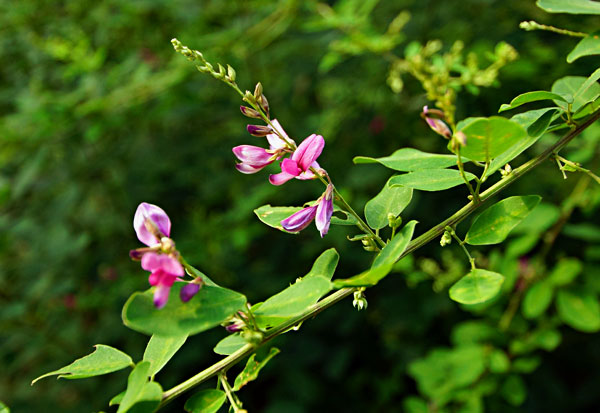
x=231, y=73
x=252, y=337
x=258, y=91
x=505, y=171
x=360, y=301
x=446, y=239
x=394, y=221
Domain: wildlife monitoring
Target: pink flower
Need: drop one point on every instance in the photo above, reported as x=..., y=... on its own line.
x=432, y=117
x=321, y=210
x=164, y=271
x=255, y=158
x=303, y=158
x=151, y=224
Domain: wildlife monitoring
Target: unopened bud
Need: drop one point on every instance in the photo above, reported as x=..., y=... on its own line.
x=231, y=73
x=264, y=104
x=249, y=112
x=252, y=337
x=461, y=138
x=360, y=301
x=506, y=170
x=446, y=239
x=258, y=130
x=258, y=91
x=189, y=291
x=433, y=117
x=394, y=221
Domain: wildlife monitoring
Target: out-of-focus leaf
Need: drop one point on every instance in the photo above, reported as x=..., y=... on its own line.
x=514, y=390
x=409, y=159
x=205, y=401
x=103, y=360
x=252, y=369
x=207, y=309
x=391, y=200
x=537, y=299
x=579, y=309
x=430, y=179
x=570, y=6
x=585, y=231
x=494, y=224
x=565, y=271
x=476, y=287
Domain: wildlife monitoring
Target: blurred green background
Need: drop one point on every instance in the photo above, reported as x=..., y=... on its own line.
x=97, y=114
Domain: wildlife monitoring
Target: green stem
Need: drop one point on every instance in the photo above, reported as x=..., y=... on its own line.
x=533, y=25
x=482, y=178
x=415, y=244
x=462, y=244
x=229, y=392
x=361, y=224
x=461, y=168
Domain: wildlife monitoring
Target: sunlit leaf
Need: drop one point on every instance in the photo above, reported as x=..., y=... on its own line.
x=207, y=309
x=205, y=401
x=579, y=309
x=570, y=6
x=430, y=179
x=160, y=350
x=391, y=199
x=325, y=264
x=409, y=159
x=494, y=224
x=252, y=369
x=588, y=46
x=476, y=287
x=534, y=97
x=103, y=360
x=272, y=216
x=489, y=137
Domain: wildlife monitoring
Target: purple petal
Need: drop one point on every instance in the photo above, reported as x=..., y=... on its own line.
x=161, y=296
x=157, y=216
x=308, y=151
x=252, y=155
x=188, y=291
x=300, y=220
x=323, y=217
x=152, y=262
x=280, y=178
x=258, y=130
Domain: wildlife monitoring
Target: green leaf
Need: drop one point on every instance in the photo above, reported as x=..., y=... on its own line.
x=230, y=344
x=252, y=369
x=588, y=46
x=494, y=224
x=391, y=199
x=344, y=219
x=430, y=179
x=582, y=92
x=534, y=97
x=103, y=360
x=117, y=399
x=4, y=408
x=534, y=120
x=585, y=231
x=160, y=350
x=499, y=361
x=325, y=264
x=489, y=137
x=569, y=6
x=409, y=159
x=141, y=395
x=207, y=309
x=514, y=390
x=292, y=301
x=384, y=262
x=510, y=154
x=565, y=272
x=205, y=401
x=476, y=287
x=414, y=404
x=588, y=84
x=579, y=309
x=540, y=219
x=537, y=299
x=272, y=216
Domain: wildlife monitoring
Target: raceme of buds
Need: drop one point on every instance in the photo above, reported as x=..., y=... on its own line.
x=321, y=212
x=434, y=117
x=303, y=158
x=151, y=224
x=446, y=239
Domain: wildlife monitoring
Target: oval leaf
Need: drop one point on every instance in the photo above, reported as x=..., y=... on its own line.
x=391, y=199
x=431, y=179
x=537, y=299
x=534, y=97
x=583, y=91
x=588, y=46
x=160, y=350
x=565, y=272
x=409, y=159
x=569, y=6
x=476, y=287
x=579, y=310
x=489, y=137
x=325, y=264
x=205, y=401
x=230, y=345
x=103, y=360
x=272, y=216
x=141, y=394
x=494, y=224
x=207, y=309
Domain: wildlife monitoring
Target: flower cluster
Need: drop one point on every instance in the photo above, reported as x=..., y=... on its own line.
x=153, y=228
x=301, y=164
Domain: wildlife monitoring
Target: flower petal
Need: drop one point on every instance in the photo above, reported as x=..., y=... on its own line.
x=247, y=169
x=323, y=217
x=152, y=262
x=161, y=296
x=308, y=151
x=155, y=215
x=280, y=178
x=300, y=220
x=188, y=291
x=253, y=155
x=290, y=166
x=274, y=140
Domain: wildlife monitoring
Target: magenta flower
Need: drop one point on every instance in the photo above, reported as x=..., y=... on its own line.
x=255, y=158
x=432, y=117
x=303, y=158
x=164, y=271
x=321, y=212
x=151, y=224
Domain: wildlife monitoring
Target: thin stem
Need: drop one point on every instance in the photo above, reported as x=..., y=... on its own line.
x=461, y=168
x=251, y=317
x=533, y=25
x=482, y=178
x=361, y=224
x=229, y=392
x=414, y=245
x=462, y=244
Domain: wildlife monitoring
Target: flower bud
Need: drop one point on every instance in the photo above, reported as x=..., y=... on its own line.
x=231, y=73
x=264, y=104
x=505, y=171
x=188, y=291
x=446, y=239
x=258, y=91
x=252, y=337
x=258, y=130
x=249, y=112
x=394, y=221
x=434, y=117
x=461, y=138
x=360, y=301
